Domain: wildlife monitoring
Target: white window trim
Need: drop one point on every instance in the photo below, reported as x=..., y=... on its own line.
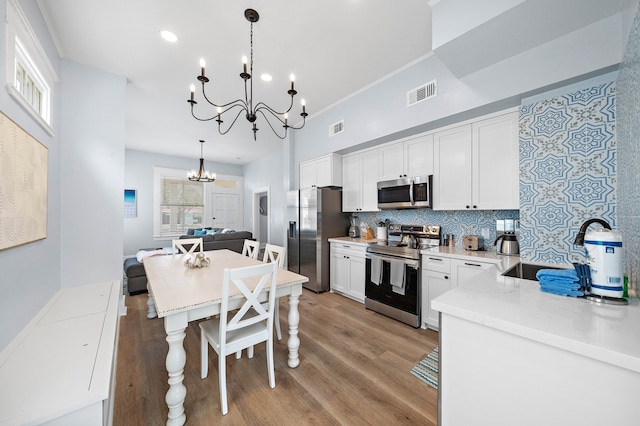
x=35, y=61
x=158, y=173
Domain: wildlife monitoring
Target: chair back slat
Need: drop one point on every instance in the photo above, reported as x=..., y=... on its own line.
x=273, y=253
x=251, y=248
x=194, y=244
x=251, y=311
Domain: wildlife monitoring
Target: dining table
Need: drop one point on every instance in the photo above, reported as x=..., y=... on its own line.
x=180, y=294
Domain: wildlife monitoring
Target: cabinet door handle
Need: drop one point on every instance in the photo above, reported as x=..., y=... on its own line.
x=446, y=277
x=473, y=264
x=468, y=206
x=436, y=259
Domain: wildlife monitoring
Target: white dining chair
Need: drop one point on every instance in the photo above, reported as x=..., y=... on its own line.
x=273, y=253
x=251, y=324
x=251, y=248
x=194, y=244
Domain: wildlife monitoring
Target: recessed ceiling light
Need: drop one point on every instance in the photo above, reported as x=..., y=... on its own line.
x=266, y=77
x=169, y=36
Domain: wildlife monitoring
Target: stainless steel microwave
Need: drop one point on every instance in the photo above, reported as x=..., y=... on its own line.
x=405, y=193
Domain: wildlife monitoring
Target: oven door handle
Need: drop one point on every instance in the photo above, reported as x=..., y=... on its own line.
x=415, y=264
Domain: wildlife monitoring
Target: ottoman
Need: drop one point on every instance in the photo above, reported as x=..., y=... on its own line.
x=136, y=276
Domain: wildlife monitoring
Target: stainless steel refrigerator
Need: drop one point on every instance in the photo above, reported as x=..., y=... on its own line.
x=314, y=215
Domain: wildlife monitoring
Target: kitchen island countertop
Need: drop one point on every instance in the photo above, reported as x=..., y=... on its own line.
x=607, y=333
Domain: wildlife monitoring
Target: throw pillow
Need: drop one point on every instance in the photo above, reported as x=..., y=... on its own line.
x=199, y=232
x=227, y=231
x=211, y=232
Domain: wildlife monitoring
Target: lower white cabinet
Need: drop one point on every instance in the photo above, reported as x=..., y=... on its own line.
x=441, y=274
x=463, y=271
x=348, y=270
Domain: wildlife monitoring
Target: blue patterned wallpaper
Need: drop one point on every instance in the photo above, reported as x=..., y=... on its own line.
x=628, y=109
x=567, y=171
x=458, y=223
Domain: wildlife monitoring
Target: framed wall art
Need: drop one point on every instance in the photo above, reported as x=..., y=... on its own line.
x=23, y=186
x=130, y=203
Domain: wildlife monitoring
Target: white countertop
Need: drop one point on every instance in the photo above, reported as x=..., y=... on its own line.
x=608, y=333
x=460, y=253
x=356, y=241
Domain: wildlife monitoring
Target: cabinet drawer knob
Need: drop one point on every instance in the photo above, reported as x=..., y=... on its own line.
x=446, y=277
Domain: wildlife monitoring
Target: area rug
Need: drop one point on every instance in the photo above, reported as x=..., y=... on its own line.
x=427, y=369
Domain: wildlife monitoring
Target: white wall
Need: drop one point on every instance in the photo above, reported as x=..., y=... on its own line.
x=267, y=172
x=139, y=165
x=379, y=114
x=92, y=174
x=30, y=274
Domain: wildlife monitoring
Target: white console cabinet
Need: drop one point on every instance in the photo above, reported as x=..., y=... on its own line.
x=348, y=270
x=60, y=369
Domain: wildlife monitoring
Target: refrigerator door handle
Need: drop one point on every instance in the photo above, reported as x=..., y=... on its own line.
x=293, y=230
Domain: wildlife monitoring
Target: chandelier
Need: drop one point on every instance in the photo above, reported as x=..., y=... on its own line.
x=201, y=175
x=247, y=105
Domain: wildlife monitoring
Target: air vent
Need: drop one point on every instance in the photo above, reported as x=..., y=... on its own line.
x=336, y=128
x=419, y=94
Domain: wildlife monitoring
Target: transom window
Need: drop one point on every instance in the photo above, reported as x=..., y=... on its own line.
x=30, y=76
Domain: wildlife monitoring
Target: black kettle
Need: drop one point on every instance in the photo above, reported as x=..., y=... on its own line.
x=508, y=244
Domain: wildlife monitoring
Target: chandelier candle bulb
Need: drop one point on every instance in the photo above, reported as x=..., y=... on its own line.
x=192, y=88
x=244, y=64
x=202, y=64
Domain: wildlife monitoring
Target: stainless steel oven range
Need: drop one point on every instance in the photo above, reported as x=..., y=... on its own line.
x=392, y=282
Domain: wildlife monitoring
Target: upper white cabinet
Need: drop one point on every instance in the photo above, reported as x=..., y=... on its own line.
x=321, y=171
x=496, y=166
x=360, y=173
x=411, y=157
x=476, y=165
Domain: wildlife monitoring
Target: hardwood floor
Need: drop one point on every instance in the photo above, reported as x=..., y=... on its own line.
x=354, y=369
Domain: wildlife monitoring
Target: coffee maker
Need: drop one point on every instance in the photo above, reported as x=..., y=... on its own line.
x=354, y=231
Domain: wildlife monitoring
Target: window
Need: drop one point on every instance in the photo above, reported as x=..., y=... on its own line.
x=30, y=77
x=180, y=203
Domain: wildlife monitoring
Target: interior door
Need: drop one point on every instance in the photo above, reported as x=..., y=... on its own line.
x=226, y=211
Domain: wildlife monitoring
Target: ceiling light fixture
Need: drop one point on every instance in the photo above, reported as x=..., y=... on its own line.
x=246, y=105
x=169, y=36
x=202, y=175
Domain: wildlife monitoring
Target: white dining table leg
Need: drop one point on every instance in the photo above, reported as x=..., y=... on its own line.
x=175, y=327
x=294, y=319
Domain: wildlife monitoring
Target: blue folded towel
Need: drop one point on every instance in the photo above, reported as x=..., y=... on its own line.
x=558, y=287
x=560, y=274
x=561, y=292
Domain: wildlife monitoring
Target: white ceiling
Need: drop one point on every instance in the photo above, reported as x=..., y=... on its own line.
x=334, y=47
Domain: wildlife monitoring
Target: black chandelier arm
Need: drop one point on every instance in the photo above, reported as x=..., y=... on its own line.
x=270, y=125
x=277, y=116
x=262, y=105
x=237, y=101
x=232, y=123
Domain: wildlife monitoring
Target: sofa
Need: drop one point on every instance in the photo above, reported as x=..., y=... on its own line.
x=219, y=238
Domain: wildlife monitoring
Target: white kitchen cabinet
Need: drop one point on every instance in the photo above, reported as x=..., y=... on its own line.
x=496, y=163
x=462, y=271
x=436, y=280
x=411, y=157
x=348, y=270
x=452, y=169
x=439, y=275
x=321, y=171
x=476, y=165
x=361, y=174
x=418, y=156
